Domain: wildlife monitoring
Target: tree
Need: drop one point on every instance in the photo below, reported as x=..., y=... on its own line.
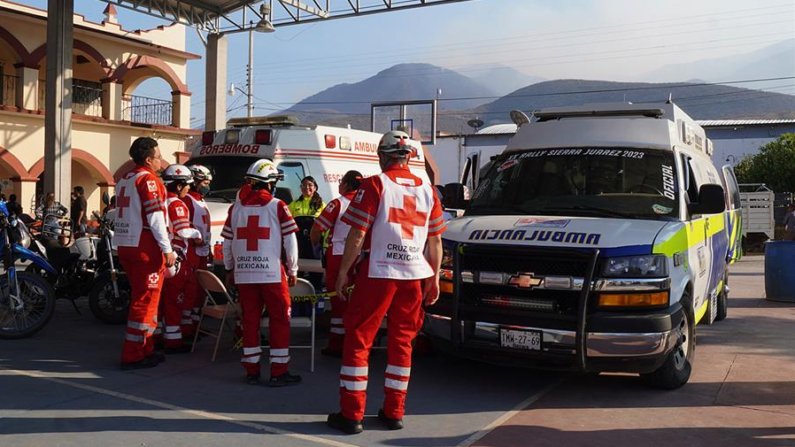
x=774, y=165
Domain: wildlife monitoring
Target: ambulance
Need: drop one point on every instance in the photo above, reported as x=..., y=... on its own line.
x=595, y=242
x=325, y=153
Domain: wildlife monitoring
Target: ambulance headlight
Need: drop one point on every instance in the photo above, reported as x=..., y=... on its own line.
x=647, y=266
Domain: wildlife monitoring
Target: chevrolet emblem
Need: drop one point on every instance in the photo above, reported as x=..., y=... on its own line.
x=525, y=281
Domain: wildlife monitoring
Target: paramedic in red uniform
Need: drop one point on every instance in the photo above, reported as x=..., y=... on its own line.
x=329, y=220
x=184, y=239
x=256, y=230
x=392, y=217
x=199, y=254
x=141, y=235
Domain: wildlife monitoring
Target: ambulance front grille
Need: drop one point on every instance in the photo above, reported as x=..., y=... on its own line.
x=547, y=266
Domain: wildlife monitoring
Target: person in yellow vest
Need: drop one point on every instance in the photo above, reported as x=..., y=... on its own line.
x=310, y=203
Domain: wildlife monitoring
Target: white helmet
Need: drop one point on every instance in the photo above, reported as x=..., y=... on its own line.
x=264, y=171
x=176, y=173
x=396, y=142
x=174, y=269
x=201, y=173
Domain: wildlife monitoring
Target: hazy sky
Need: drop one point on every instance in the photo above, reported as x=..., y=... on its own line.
x=586, y=39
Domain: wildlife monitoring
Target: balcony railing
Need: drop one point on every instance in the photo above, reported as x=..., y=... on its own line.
x=142, y=109
x=9, y=90
x=86, y=97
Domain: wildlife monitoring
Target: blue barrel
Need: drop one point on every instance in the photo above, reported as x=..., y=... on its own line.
x=780, y=271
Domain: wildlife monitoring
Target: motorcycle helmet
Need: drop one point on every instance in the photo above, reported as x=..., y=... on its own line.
x=264, y=171
x=176, y=173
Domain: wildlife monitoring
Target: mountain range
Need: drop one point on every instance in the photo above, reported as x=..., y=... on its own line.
x=490, y=92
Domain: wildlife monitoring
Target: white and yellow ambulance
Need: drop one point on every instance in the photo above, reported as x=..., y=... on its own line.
x=325, y=153
x=596, y=241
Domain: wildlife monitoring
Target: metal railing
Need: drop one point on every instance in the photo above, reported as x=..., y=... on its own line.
x=142, y=109
x=9, y=90
x=86, y=97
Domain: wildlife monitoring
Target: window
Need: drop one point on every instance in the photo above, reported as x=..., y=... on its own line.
x=293, y=174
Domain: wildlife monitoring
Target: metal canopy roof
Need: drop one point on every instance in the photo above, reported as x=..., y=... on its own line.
x=223, y=15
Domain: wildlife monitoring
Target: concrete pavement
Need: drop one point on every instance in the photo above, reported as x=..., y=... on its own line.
x=742, y=392
x=63, y=388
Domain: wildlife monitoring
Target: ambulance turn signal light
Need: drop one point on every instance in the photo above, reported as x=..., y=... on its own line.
x=263, y=136
x=633, y=299
x=331, y=142
x=208, y=137
x=446, y=287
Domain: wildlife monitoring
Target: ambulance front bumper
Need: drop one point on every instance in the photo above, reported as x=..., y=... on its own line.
x=623, y=350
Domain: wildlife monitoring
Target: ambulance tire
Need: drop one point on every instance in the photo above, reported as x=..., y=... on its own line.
x=723, y=301
x=676, y=370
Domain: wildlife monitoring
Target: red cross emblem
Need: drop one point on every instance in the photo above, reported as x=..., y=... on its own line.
x=122, y=201
x=178, y=171
x=206, y=220
x=408, y=217
x=252, y=233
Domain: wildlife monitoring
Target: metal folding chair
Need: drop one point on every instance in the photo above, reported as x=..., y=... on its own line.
x=302, y=287
x=211, y=284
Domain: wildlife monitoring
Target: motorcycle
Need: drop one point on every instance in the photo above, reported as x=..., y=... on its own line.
x=109, y=298
x=85, y=268
x=27, y=301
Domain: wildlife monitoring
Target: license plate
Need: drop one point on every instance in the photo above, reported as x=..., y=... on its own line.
x=528, y=340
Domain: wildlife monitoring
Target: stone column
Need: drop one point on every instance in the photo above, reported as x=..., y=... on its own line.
x=215, y=106
x=180, y=114
x=111, y=100
x=58, y=108
x=27, y=87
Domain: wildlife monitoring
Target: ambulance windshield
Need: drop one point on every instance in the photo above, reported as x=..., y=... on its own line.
x=228, y=175
x=589, y=182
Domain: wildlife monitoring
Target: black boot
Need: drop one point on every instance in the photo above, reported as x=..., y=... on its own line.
x=339, y=422
x=147, y=362
x=252, y=379
x=392, y=424
x=285, y=379
x=157, y=357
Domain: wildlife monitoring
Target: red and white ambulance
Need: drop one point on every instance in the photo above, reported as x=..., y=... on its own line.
x=325, y=153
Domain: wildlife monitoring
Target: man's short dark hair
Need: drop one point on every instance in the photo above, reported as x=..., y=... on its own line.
x=142, y=148
x=80, y=190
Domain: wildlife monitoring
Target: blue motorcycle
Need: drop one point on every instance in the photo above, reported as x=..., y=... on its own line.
x=27, y=301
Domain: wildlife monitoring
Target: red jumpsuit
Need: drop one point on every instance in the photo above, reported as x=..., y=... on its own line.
x=255, y=256
x=175, y=290
x=141, y=236
x=398, y=213
x=198, y=258
x=338, y=232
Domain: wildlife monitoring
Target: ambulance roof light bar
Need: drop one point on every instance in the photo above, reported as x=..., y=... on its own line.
x=270, y=121
x=612, y=110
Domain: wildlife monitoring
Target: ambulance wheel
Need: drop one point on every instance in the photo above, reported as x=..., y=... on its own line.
x=676, y=370
x=723, y=301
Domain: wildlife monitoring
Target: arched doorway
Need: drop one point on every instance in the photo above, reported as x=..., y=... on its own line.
x=87, y=171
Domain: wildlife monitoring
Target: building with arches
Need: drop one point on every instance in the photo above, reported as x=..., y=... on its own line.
x=109, y=65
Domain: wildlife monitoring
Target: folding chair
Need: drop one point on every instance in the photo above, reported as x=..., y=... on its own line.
x=301, y=287
x=211, y=284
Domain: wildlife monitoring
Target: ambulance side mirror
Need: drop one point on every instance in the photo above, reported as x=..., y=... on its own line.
x=455, y=196
x=711, y=200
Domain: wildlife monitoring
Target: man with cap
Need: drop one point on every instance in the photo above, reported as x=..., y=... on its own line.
x=394, y=217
